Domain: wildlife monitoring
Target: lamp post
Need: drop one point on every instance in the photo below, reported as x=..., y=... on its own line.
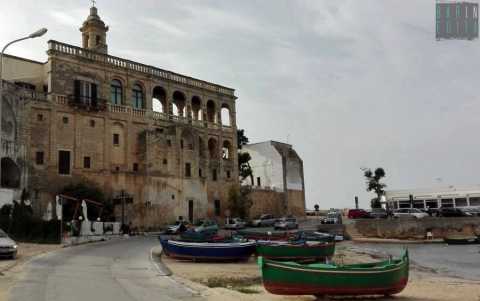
x=36, y=34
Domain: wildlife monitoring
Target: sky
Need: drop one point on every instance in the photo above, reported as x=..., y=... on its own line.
x=349, y=84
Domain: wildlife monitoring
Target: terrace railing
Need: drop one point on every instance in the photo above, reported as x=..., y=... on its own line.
x=62, y=48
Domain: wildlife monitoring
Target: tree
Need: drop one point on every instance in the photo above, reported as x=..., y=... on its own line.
x=241, y=139
x=85, y=190
x=239, y=201
x=374, y=184
x=244, y=168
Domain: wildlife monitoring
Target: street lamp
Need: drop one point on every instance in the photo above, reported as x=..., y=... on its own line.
x=33, y=35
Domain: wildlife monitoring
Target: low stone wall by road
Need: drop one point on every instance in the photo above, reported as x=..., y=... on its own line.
x=417, y=228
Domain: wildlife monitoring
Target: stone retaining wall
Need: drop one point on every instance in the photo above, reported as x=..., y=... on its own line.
x=417, y=228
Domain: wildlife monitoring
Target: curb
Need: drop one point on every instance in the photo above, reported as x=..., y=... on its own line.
x=155, y=257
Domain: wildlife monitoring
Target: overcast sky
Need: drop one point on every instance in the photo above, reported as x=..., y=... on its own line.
x=350, y=84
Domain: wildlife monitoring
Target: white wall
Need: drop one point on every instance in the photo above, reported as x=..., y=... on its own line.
x=266, y=163
x=15, y=69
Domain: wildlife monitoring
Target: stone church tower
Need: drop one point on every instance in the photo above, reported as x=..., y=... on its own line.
x=94, y=33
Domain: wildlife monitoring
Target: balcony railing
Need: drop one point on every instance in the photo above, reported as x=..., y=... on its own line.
x=57, y=47
x=86, y=103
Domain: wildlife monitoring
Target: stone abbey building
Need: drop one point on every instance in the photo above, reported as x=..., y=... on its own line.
x=154, y=135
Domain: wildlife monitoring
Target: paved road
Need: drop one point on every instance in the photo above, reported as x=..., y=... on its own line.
x=118, y=270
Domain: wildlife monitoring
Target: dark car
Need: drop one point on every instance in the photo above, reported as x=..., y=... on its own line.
x=358, y=213
x=452, y=212
x=378, y=213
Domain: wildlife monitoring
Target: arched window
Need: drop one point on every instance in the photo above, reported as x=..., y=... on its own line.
x=225, y=113
x=179, y=101
x=116, y=92
x=226, y=150
x=196, y=108
x=159, y=100
x=211, y=111
x=137, y=97
x=212, y=148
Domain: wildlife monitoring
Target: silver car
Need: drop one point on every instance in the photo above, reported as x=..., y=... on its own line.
x=265, y=220
x=235, y=223
x=8, y=247
x=286, y=223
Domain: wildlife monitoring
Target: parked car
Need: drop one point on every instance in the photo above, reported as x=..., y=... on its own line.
x=206, y=226
x=332, y=218
x=409, y=212
x=265, y=220
x=235, y=223
x=474, y=211
x=452, y=212
x=286, y=223
x=358, y=213
x=177, y=228
x=8, y=247
x=378, y=213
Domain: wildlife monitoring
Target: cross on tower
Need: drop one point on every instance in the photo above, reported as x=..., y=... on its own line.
x=93, y=3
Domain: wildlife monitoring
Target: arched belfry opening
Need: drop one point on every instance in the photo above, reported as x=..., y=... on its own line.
x=94, y=32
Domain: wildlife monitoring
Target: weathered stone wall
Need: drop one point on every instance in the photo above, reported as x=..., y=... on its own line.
x=296, y=202
x=417, y=228
x=267, y=201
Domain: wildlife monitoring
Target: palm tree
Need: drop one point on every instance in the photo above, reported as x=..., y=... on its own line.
x=374, y=184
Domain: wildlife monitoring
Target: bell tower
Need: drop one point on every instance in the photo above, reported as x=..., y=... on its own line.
x=94, y=32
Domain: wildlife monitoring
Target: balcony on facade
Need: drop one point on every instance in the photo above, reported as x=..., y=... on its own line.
x=86, y=103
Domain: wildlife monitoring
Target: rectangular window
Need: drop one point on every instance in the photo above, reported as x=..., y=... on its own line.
x=259, y=183
x=169, y=142
x=458, y=11
x=65, y=120
x=200, y=172
x=431, y=203
x=188, y=170
x=85, y=92
x=228, y=174
x=86, y=162
x=64, y=162
x=181, y=144
x=135, y=166
x=116, y=139
x=460, y=202
x=214, y=174
x=217, y=207
x=39, y=117
x=165, y=161
x=92, y=123
x=448, y=203
x=475, y=201
x=39, y=158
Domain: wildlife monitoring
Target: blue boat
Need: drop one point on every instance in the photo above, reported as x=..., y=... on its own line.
x=208, y=251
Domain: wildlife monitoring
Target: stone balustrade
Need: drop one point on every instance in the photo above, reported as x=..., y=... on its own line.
x=62, y=100
x=62, y=48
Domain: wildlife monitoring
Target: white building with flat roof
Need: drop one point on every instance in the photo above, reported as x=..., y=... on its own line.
x=449, y=196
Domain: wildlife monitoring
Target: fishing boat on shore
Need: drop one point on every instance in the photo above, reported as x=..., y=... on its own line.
x=208, y=251
x=379, y=278
x=267, y=235
x=296, y=251
x=461, y=240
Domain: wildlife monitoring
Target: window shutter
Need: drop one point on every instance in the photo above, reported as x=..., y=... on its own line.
x=76, y=90
x=94, y=95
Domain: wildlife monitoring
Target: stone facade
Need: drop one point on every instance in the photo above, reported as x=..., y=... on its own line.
x=152, y=133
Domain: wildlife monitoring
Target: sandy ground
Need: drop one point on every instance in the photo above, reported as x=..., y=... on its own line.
x=241, y=281
x=10, y=270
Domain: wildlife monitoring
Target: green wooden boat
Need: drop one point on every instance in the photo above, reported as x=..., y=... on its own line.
x=296, y=251
x=290, y=278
